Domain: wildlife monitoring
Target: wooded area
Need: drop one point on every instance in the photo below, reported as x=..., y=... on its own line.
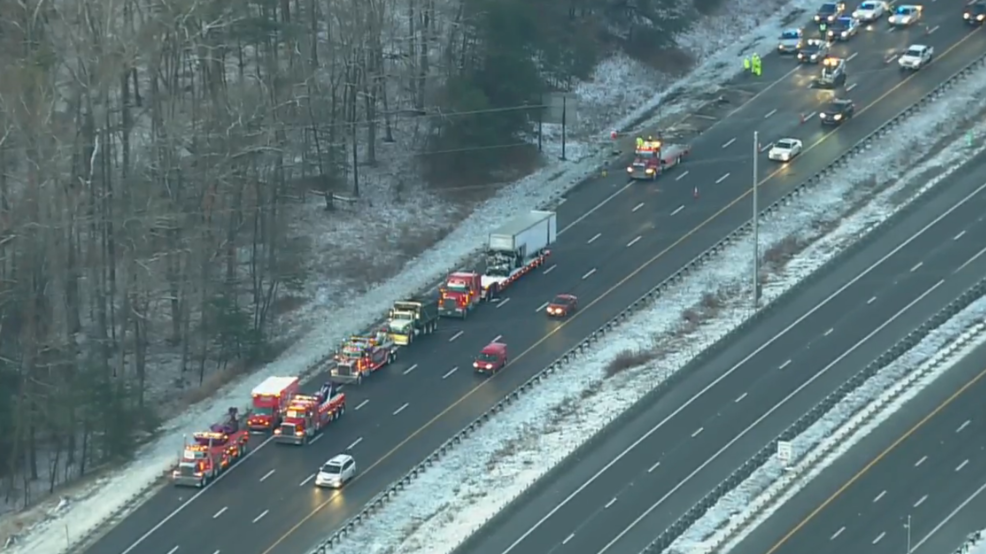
x=146, y=151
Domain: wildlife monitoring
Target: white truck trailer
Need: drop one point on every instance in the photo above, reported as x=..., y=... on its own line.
x=516, y=248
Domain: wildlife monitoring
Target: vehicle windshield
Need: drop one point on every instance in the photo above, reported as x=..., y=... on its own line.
x=785, y=144
x=487, y=357
x=915, y=52
x=905, y=10
x=979, y=8
x=332, y=469
x=402, y=316
x=843, y=21
x=828, y=8
x=810, y=47
x=867, y=6
x=560, y=300
x=265, y=411
x=457, y=287
x=295, y=414
x=790, y=35
x=645, y=154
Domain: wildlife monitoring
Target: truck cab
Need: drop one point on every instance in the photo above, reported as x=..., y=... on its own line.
x=410, y=318
x=492, y=358
x=270, y=398
x=362, y=355
x=460, y=294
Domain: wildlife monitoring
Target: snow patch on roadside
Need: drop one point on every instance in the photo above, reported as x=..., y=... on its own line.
x=452, y=500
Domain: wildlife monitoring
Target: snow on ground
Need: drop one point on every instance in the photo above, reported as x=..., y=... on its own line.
x=331, y=318
x=446, y=504
x=864, y=410
x=976, y=544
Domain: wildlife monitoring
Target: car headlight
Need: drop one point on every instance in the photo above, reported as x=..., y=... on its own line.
x=845, y=34
x=629, y=170
x=980, y=17
x=838, y=117
x=965, y=15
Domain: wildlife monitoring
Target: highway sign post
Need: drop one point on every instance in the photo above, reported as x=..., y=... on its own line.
x=785, y=454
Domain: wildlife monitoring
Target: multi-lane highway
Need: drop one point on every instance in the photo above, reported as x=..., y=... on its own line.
x=632, y=484
x=619, y=240
x=927, y=462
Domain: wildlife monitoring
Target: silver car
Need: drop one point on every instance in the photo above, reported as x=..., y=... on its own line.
x=791, y=41
x=336, y=472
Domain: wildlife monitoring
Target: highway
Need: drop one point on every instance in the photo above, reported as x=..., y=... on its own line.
x=619, y=240
x=927, y=462
x=637, y=480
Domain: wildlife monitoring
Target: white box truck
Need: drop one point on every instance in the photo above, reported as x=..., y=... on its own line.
x=516, y=248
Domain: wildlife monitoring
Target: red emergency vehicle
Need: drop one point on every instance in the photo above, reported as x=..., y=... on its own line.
x=654, y=157
x=212, y=452
x=361, y=356
x=460, y=294
x=492, y=358
x=270, y=398
x=309, y=414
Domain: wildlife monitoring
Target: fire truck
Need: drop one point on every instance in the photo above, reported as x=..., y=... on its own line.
x=308, y=414
x=361, y=356
x=460, y=294
x=210, y=453
x=269, y=400
x=654, y=157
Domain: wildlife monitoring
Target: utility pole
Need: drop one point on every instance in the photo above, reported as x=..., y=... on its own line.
x=907, y=526
x=756, y=223
x=564, y=122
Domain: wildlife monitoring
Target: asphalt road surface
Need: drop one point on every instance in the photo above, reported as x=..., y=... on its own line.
x=619, y=240
x=635, y=482
x=926, y=462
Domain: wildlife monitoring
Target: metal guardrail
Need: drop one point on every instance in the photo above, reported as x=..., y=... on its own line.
x=645, y=300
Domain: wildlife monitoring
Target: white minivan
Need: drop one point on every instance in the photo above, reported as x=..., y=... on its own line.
x=336, y=472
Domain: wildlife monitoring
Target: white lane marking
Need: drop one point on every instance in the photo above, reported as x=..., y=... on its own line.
x=729, y=142
x=593, y=239
x=220, y=512
x=829, y=332
x=316, y=438
x=307, y=480
x=541, y=307
x=634, y=241
x=455, y=336
x=401, y=409
x=879, y=496
x=410, y=369
x=921, y=461
x=355, y=443
x=261, y=516
x=851, y=56
x=850, y=87
x=969, y=261
x=677, y=210
x=266, y=475
x=216, y=552
x=587, y=275
x=871, y=300
x=963, y=426
x=766, y=147
x=916, y=266
x=502, y=302
x=653, y=467
x=837, y=533
x=363, y=403
x=960, y=235
x=550, y=269
x=698, y=432
x=770, y=113
x=638, y=206
x=962, y=465
x=733, y=369
x=920, y=501
x=610, y=503
x=497, y=338
x=949, y=517
x=769, y=412
x=933, y=29
x=568, y=538
x=785, y=364
x=809, y=116
x=879, y=537
x=680, y=177
x=740, y=398
x=450, y=372
x=721, y=179
x=173, y=550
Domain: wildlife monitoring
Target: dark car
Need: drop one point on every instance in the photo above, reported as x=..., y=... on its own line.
x=563, y=305
x=813, y=51
x=837, y=112
x=829, y=12
x=975, y=13
x=843, y=28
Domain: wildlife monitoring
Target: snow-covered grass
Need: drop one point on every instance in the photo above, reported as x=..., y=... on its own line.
x=864, y=410
x=444, y=506
x=975, y=545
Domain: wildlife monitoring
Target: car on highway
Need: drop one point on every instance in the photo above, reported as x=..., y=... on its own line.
x=916, y=57
x=868, y=12
x=562, y=305
x=813, y=51
x=790, y=41
x=785, y=150
x=336, y=472
x=906, y=15
x=975, y=13
x=837, y=112
x=833, y=73
x=829, y=12
x=843, y=28
x=492, y=358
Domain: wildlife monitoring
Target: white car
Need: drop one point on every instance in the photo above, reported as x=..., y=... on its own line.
x=905, y=16
x=916, y=57
x=785, y=150
x=868, y=12
x=336, y=472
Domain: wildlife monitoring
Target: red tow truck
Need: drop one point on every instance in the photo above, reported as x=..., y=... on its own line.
x=210, y=453
x=492, y=358
x=309, y=414
x=460, y=294
x=654, y=157
x=361, y=356
x=270, y=398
